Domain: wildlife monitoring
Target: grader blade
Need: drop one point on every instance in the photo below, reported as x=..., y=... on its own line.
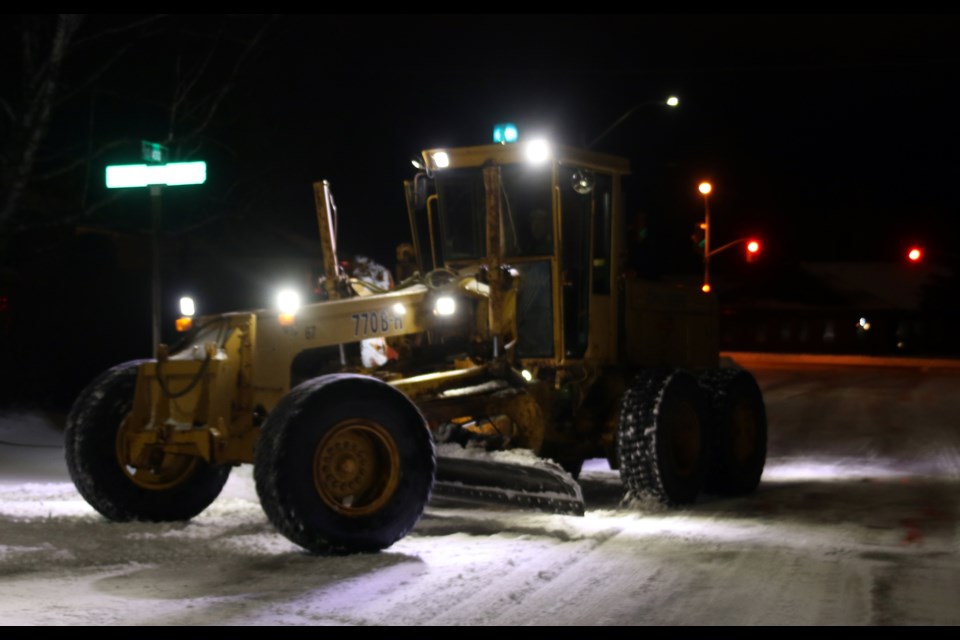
x=542, y=487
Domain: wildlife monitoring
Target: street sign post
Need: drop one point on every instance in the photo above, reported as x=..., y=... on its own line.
x=156, y=176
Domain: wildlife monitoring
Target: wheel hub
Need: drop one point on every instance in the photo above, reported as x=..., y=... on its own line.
x=356, y=467
x=159, y=470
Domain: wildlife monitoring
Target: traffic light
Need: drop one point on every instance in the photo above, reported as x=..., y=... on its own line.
x=753, y=250
x=915, y=254
x=699, y=236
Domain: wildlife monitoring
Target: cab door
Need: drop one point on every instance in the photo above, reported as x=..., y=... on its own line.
x=586, y=200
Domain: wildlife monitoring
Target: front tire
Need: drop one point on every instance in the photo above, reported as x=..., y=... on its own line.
x=178, y=488
x=739, y=425
x=662, y=439
x=345, y=463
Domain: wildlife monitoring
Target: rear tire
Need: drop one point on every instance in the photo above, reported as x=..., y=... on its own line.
x=345, y=463
x=662, y=439
x=179, y=489
x=739, y=431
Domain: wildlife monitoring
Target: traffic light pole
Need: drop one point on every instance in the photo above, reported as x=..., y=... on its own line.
x=706, y=243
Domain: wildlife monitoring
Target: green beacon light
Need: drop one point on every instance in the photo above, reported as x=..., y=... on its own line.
x=505, y=133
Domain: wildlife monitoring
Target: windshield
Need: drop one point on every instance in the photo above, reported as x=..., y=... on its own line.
x=527, y=210
x=462, y=210
x=526, y=207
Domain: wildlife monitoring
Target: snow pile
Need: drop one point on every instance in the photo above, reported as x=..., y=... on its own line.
x=523, y=457
x=520, y=457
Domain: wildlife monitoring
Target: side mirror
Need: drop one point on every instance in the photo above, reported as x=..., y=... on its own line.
x=417, y=191
x=582, y=181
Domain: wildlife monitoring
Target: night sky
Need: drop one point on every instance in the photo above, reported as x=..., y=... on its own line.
x=830, y=137
x=834, y=137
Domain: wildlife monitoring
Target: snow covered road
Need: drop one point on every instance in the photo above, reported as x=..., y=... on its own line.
x=855, y=523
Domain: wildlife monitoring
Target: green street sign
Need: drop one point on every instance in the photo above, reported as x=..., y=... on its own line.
x=123, y=176
x=153, y=152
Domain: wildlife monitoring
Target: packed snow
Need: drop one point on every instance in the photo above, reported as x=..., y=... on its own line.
x=855, y=523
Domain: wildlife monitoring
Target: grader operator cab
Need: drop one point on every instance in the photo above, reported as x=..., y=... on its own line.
x=523, y=350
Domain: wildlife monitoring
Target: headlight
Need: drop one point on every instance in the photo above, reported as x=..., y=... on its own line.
x=441, y=159
x=187, y=310
x=288, y=301
x=538, y=151
x=445, y=306
x=187, y=307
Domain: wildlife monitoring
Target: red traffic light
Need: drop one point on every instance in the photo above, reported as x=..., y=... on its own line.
x=753, y=248
x=914, y=254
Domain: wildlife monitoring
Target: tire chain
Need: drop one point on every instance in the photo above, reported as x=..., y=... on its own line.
x=637, y=437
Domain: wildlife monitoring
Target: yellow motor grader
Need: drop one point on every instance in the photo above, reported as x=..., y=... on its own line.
x=523, y=349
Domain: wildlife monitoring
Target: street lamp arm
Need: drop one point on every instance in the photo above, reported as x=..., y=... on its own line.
x=618, y=122
x=728, y=245
x=672, y=102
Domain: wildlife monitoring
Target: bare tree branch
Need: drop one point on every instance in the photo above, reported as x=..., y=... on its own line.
x=39, y=76
x=205, y=78
x=160, y=104
x=182, y=90
x=197, y=225
x=63, y=151
x=67, y=168
x=93, y=77
x=174, y=105
x=226, y=192
x=37, y=116
x=200, y=105
x=193, y=151
x=28, y=53
x=198, y=73
x=86, y=174
x=7, y=110
x=228, y=85
x=120, y=29
x=222, y=145
x=68, y=220
x=113, y=197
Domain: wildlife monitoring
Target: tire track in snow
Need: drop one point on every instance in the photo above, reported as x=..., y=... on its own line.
x=484, y=585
